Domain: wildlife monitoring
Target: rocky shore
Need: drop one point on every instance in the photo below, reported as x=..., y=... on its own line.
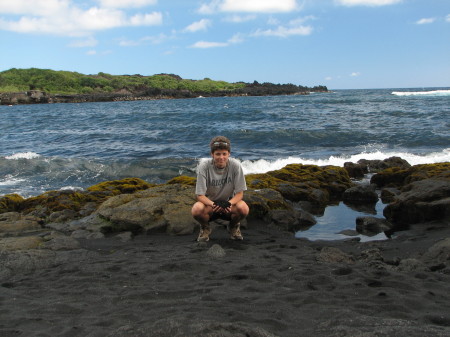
x=41, y=97
x=120, y=259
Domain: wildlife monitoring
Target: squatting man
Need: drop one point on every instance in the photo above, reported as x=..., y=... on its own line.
x=220, y=190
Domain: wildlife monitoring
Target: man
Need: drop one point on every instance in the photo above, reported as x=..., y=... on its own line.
x=220, y=190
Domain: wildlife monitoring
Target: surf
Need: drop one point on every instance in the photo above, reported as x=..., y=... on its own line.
x=422, y=93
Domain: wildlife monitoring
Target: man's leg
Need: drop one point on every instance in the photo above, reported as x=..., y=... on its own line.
x=238, y=212
x=202, y=214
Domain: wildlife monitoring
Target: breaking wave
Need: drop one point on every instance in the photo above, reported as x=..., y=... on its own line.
x=422, y=93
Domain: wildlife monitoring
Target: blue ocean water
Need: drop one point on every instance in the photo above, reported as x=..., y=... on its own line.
x=59, y=146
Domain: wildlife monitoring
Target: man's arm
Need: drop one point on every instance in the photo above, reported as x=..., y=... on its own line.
x=237, y=197
x=205, y=200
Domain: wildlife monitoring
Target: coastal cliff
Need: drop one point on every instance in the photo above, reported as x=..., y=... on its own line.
x=32, y=86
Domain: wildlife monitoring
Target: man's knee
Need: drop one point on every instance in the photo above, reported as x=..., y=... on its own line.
x=242, y=208
x=197, y=209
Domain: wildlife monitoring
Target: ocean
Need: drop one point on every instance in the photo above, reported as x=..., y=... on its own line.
x=73, y=146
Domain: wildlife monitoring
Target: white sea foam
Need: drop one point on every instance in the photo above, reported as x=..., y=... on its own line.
x=10, y=181
x=262, y=165
x=422, y=93
x=71, y=188
x=23, y=155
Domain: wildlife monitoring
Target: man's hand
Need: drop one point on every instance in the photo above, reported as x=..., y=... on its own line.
x=221, y=206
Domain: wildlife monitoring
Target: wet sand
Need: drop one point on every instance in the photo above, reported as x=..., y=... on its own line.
x=270, y=284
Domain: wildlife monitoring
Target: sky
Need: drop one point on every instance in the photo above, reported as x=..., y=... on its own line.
x=343, y=44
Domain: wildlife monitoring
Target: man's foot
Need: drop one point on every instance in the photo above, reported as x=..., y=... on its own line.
x=235, y=233
x=203, y=236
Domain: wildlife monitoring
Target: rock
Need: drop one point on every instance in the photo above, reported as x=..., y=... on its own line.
x=61, y=242
x=398, y=177
x=63, y=216
x=438, y=253
x=388, y=194
x=16, y=263
x=290, y=220
x=356, y=170
x=10, y=203
x=164, y=208
x=216, y=252
x=20, y=243
x=13, y=222
x=420, y=201
x=408, y=265
x=334, y=255
x=360, y=194
x=125, y=236
x=84, y=234
x=296, y=182
x=379, y=165
x=371, y=226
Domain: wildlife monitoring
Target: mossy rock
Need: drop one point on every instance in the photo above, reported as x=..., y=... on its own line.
x=10, y=203
x=184, y=180
x=55, y=201
x=123, y=186
x=398, y=177
x=297, y=182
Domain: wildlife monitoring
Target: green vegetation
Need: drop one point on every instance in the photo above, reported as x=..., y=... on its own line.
x=66, y=82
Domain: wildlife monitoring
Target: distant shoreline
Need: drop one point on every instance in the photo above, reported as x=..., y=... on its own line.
x=41, y=97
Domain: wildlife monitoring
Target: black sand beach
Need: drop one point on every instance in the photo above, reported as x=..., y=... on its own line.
x=271, y=284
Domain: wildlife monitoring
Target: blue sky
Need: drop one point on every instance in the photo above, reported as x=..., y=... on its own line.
x=343, y=44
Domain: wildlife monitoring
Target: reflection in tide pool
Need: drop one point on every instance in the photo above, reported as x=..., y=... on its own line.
x=338, y=218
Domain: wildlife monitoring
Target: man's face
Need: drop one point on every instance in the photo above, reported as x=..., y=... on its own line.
x=220, y=158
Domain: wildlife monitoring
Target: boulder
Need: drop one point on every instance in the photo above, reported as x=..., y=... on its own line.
x=356, y=170
x=380, y=165
x=398, y=176
x=370, y=226
x=290, y=220
x=164, y=208
x=420, y=201
x=297, y=182
x=360, y=194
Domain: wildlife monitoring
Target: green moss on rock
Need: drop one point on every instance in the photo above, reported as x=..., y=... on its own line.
x=398, y=177
x=184, y=180
x=10, y=203
x=123, y=186
x=298, y=182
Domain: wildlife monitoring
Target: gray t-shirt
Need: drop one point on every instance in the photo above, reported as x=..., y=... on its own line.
x=220, y=184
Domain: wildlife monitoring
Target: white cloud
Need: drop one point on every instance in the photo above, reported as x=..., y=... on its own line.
x=126, y=3
x=64, y=17
x=282, y=31
x=252, y=6
x=157, y=39
x=206, y=44
x=425, y=21
x=91, y=52
x=447, y=18
x=328, y=78
x=88, y=42
x=240, y=18
x=237, y=38
x=203, y=24
x=149, y=19
x=355, y=74
x=367, y=2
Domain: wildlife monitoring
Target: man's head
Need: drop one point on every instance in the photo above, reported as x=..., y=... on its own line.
x=220, y=151
x=220, y=143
